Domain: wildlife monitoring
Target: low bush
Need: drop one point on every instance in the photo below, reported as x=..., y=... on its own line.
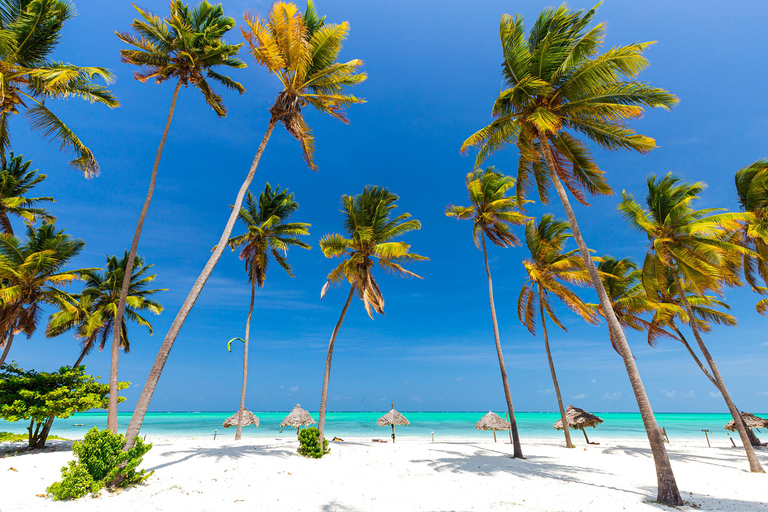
x=99, y=459
x=309, y=445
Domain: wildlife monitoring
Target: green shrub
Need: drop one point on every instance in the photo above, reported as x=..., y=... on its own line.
x=99, y=458
x=309, y=445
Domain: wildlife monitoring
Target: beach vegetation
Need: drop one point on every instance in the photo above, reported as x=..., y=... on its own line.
x=185, y=47
x=309, y=443
x=29, y=395
x=269, y=234
x=694, y=245
x=30, y=33
x=493, y=214
x=16, y=180
x=550, y=270
x=31, y=275
x=370, y=232
x=302, y=51
x=557, y=86
x=99, y=457
x=752, y=189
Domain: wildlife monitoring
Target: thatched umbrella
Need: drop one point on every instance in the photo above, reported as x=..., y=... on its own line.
x=392, y=418
x=750, y=421
x=248, y=419
x=297, y=418
x=492, y=421
x=578, y=419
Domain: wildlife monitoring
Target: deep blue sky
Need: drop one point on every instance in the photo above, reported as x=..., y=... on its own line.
x=433, y=74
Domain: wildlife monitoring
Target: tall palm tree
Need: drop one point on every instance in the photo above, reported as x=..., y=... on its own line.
x=15, y=181
x=269, y=232
x=31, y=274
x=371, y=230
x=30, y=30
x=559, y=84
x=549, y=271
x=94, y=312
x=690, y=243
x=752, y=187
x=492, y=214
x=187, y=47
x=302, y=51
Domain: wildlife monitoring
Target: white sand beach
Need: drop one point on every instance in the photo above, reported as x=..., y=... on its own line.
x=413, y=474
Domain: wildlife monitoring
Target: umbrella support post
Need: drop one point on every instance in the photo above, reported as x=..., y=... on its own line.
x=297, y=432
x=393, y=434
x=707, y=436
x=585, y=436
x=494, y=435
x=506, y=416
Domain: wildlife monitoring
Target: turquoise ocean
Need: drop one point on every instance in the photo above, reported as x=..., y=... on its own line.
x=444, y=425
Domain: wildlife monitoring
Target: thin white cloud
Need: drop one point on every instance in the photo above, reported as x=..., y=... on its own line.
x=580, y=396
x=545, y=391
x=613, y=396
x=416, y=398
x=678, y=394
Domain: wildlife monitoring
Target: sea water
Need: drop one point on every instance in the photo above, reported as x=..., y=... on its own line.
x=444, y=425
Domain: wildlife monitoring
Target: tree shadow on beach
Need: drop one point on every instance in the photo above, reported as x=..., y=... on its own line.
x=230, y=453
x=730, y=458
x=713, y=503
x=335, y=506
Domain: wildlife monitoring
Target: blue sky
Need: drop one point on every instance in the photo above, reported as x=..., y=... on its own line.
x=434, y=71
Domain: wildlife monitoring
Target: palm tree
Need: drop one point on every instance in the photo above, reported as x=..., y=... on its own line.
x=269, y=232
x=558, y=84
x=370, y=231
x=691, y=244
x=302, y=51
x=15, y=181
x=549, y=271
x=93, y=312
x=492, y=214
x=31, y=273
x=31, y=30
x=187, y=47
x=752, y=187
x=93, y=315
x=621, y=279
x=662, y=292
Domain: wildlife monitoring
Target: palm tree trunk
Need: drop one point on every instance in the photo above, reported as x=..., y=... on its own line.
x=113, y=381
x=327, y=376
x=5, y=224
x=165, y=349
x=566, y=427
x=239, y=432
x=693, y=354
x=517, y=450
x=8, y=342
x=754, y=463
x=668, y=493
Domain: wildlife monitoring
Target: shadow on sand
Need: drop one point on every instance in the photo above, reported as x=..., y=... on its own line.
x=225, y=453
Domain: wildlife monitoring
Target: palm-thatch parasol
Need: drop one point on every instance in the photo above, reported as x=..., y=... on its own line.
x=750, y=421
x=297, y=418
x=248, y=419
x=392, y=418
x=578, y=419
x=492, y=421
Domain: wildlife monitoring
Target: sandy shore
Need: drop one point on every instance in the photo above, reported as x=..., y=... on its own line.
x=267, y=474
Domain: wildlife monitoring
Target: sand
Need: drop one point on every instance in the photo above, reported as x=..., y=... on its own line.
x=413, y=474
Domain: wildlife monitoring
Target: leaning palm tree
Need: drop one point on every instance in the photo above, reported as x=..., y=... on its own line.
x=301, y=50
x=690, y=243
x=370, y=231
x=549, y=271
x=559, y=84
x=752, y=187
x=93, y=315
x=31, y=274
x=30, y=30
x=492, y=214
x=269, y=233
x=15, y=181
x=186, y=47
